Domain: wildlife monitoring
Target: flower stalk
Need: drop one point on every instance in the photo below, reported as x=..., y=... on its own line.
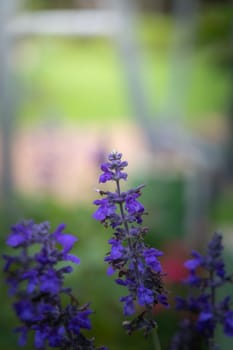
x=136, y=264
x=207, y=275
x=37, y=284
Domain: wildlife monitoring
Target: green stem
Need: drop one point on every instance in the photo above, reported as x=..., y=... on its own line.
x=156, y=341
x=211, y=341
x=125, y=223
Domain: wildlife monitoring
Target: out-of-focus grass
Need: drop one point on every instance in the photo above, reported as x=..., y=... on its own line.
x=73, y=80
x=82, y=80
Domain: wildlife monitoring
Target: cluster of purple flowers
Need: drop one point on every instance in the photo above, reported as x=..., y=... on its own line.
x=35, y=277
x=206, y=311
x=137, y=264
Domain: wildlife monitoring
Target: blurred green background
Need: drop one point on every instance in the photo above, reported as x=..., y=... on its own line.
x=77, y=84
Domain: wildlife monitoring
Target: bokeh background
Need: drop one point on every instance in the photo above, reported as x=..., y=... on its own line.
x=152, y=79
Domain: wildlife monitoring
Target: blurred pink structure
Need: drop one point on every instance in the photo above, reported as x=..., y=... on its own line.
x=64, y=162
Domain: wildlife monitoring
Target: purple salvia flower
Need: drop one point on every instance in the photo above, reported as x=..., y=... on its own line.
x=106, y=209
x=187, y=338
x=117, y=250
x=137, y=265
x=107, y=174
x=38, y=287
x=132, y=205
x=129, y=307
x=228, y=323
x=145, y=296
x=193, y=264
x=207, y=274
x=65, y=240
x=150, y=255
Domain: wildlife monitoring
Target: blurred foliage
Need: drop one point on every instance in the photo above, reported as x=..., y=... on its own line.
x=215, y=31
x=164, y=201
x=222, y=213
x=74, y=80
x=81, y=80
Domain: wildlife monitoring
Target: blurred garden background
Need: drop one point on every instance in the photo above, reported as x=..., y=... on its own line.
x=151, y=79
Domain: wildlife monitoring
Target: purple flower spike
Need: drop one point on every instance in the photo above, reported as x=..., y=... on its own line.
x=206, y=276
x=37, y=284
x=138, y=267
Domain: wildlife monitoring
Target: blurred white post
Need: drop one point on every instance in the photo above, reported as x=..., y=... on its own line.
x=185, y=14
x=129, y=53
x=7, y=104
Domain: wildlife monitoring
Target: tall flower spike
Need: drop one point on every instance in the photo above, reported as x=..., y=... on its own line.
x=36, y=282
x=136, y=264
x=206, y=276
